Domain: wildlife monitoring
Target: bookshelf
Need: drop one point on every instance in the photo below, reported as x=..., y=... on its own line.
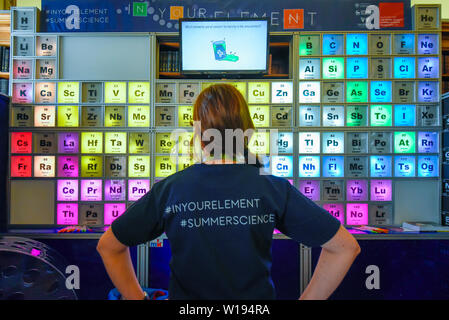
x=5, y=18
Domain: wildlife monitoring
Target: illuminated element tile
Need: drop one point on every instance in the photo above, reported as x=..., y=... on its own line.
x=309, y=116
x=428, y=44
x=281, y=116
x=22, y=93
x=114, y=190
x=356, y=44
x=188, y=92
x=428, y=67
x=184, y=162
x=91, y=116
x=380, y=166
x=138, y=116
x=138, y=92
x=139, y=166
x=112, y=211
x=380, y=68
x=404, y=142
x=115, y=167
x=44, y=142
x=45, y=92
x=165, y=116
x=309, y=92
x=333, y=68
x=309, y=68
x=309, y=142
x=379, y=44
x=309, y=45
x=115, y=92
x=333, y=44
x=356, y=167
x=310, y=188
x=357, y=68
x=258, y=92
x=67, y=190
x=404, y=166
x=260, y=115
x=164, y=166
x=91, y=142
x=260, y=142
x=282, y=166
x=241, y=87
x=380, y=142
x=333, y=116
x=22, y=69
x=21, y=142
x=46, y=46
x=68, y=116
x=137, y=189
x=404, y=91
x=67, y=214
x=357, y=190
x=139, y=142
x=163, y=142
x=282, y=92
x=309, y=166
x=185, y=116
x=428, y=115
x=45, y=69
x=92, y=92
x=337, y=210
x=68, y=166
x=44, y=166
x=115, y=142
x=333, y=190
x=44, y=116
x=333, y=92
x=165, y=92
x=357, y=91
x=114, y=116
x=356, y=142
x=68, y=92
x=428, y=142
x=68, y=142
x=356, y=214
x=428, y=166
x=356, y=116
x=91, y=166
x=381, y=190
x=333, y=167
x=91, y=214
x=404, y=67
x=381, y=91
x=22, y=116
x=91, y=190
x=380, y=214
x=281, y=142
x=380, y=115
x=404, y=43
x=20, y=166
x=333, y=142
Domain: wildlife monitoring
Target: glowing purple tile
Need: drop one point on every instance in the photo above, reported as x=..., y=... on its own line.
x=91, y=190
x=67, y=190
x=68, y=166
x=357, y=190
x=356, y=214
x=22, y=93
x=67, y=214
x=137, y=189
x=337, y=210
x=68, y=142
x=381, y=190
x=112, y=211
x=428, y=142
x=114, y=190
x=310, y=188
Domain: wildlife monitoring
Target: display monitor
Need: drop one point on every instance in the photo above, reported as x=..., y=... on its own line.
x=224, y=46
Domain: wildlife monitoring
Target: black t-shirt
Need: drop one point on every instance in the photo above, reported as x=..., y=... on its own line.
x=219, y=220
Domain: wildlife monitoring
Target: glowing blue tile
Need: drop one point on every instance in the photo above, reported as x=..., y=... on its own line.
x=428, y=142
x=381, y=91
x=333, y=166
x=404, y=166
x=357, y=68
x=404, y=67
x=428, y=44
x=404, y=43
x=428, y=67
x=309, y=166
x=380, y=166
x=356, y=44
x=404, y=115
x=428, y=166
x=282, y=166
x=428, y=91
x=333, y=44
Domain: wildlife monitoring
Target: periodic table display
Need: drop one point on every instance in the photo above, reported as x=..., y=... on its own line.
x=360, y=112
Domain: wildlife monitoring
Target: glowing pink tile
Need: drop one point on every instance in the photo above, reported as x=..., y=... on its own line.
x=67, y=214
x=114, y=190
x=356, y=213
x=381, y=190
x=68, y=142
x=91, y=190
x=67, y=190
x=337, y=210
x=68, y=166
x=310, y=188
x=112, y=211
x=22, y=93
x=357, y=190
x=137, y=189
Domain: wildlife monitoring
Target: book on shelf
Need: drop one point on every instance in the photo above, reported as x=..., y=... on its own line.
x=424, y=226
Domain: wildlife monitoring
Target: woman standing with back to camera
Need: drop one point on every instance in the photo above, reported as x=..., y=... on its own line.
x=219, y=217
